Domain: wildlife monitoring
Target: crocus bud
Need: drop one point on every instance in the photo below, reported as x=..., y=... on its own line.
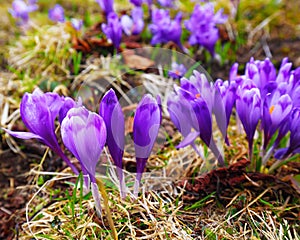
x=84, y=134
x=67, y=105
x=111, y=112
x=145, y=130
x=248, y=106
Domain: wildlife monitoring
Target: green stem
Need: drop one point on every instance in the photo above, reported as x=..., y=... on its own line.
x=107, y=209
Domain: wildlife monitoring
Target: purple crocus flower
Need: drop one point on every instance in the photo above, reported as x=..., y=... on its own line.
x=38, y=112
x=57, y=13
x=84, y=134
x=225, y=99
x=184, y=119
x=67, y=105
x=106, y=6
x=164, y=29
x=21, y=10
x=134, y=24
x=294, y=143
x=202, y=26
x=145, y=129
x=200, y=97
x=77, y=23
x=284, y=71
x=261, y=72
x=111, y=112
x=113, y=29
x=276, y=110
x=177, y=70
x=248, y=106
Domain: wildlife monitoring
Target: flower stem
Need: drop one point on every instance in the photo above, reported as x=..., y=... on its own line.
x=107, y=209
x=213, y=147
x=67, y=160
x=137, y=182
x=122, y=183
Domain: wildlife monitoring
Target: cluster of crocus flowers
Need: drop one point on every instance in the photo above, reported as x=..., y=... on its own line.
x=202, y=26
x=272, y=99
x=20, y=10
x=260, y=97
x=164, y=29
x=85, y=133
x=191, y=107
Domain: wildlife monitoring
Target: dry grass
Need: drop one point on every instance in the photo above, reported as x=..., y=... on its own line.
x=158, y=213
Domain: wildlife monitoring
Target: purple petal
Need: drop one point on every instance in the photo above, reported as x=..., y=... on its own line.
x=23, y=135
x=111, y=112
x=84, y=134
x=188, y=140
x=57, y=13
x=145, y=126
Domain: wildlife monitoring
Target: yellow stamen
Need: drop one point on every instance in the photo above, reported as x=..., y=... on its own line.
x=198, y=95
x=271, y=109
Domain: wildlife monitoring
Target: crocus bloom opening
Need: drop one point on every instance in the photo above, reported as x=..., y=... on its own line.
x=106, y=6
x=164, y=29
x=202, y=26
x=199, y=102
x=180, y=113
x=57, y=13
x=177, y=70
x=21, y=10
x=134, y=24
x=38, y=112
x=145, y=129
x=113, y=29
x=84, y=134
x=111, y=112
